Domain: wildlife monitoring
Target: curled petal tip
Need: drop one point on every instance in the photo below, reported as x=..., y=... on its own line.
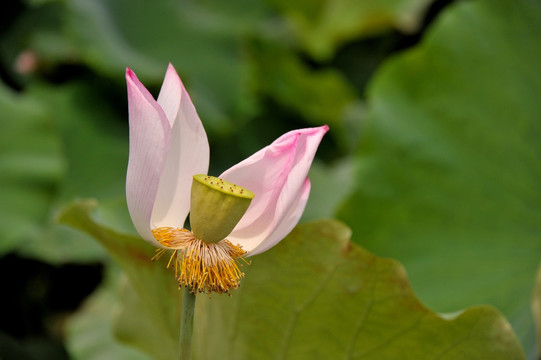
x=321, y=129
x=130, y=74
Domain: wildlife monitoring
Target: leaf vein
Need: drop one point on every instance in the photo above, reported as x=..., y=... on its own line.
x=288, y=334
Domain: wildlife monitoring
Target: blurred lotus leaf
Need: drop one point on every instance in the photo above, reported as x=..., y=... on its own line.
x=449, y=174
x=89, y=332
x=111, y=35
x=323, y=25
x=31, y=165
x=58, y=143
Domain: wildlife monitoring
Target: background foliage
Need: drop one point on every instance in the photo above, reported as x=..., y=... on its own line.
x=432, y=160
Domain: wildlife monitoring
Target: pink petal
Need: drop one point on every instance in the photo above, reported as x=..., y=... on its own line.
x=277, y=176
x=188, y=154
x=291, y=215
x=150, y=137
x=170, y=94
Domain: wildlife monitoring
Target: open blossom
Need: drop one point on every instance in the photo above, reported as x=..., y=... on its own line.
x=168, y=147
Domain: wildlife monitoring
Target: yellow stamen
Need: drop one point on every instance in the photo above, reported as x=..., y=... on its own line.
x=202, y=267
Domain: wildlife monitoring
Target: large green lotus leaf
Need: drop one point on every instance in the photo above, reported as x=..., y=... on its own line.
x=31, y=166
x=146, y=35
x=323, y=25
x=150, y=319
x=449, y=176
x=318, y=296
x=313, y=296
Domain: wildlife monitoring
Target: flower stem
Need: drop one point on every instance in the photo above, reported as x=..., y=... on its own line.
x=186, y=324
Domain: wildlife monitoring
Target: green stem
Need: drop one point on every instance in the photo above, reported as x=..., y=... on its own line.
x=186, y=324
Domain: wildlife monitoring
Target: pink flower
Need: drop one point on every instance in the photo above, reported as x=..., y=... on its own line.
x=168, y=146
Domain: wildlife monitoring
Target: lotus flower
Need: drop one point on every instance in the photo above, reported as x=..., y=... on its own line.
x=168, y=146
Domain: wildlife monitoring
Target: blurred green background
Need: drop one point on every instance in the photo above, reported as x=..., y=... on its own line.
x=433, y=157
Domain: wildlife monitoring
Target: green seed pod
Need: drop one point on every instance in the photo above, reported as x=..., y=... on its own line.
x=216, y=207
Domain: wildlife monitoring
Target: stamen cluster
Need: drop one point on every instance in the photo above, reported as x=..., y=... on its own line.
x=200, y=266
